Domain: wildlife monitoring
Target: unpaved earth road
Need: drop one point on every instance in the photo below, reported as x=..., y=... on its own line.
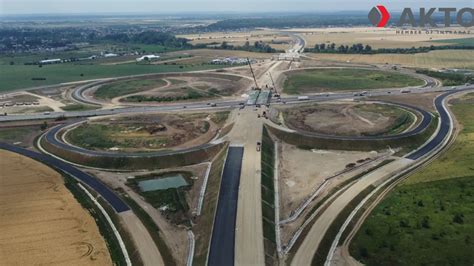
x=146, y=247
x=308, y=248
x=249, y=233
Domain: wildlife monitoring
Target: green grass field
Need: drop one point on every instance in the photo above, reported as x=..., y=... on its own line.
x=78, y=107
x=125, y=87
x=22, y=76
x=322, y=80
x=461, y=41
x=429, y=219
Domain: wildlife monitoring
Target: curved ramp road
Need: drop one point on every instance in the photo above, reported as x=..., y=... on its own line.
x=51, y=137
x=425, y=122
x=311, y=241
x=223, y=233
x=99, y=187
x=444, y=128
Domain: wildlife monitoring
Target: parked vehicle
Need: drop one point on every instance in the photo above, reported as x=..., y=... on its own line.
x=303, y=98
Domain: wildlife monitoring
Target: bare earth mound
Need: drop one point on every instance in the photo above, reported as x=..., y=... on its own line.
x=41, y=222
x=349, y=119
x=148, y=132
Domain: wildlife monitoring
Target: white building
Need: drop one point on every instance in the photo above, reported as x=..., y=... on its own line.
x=50, y=61
x=147, y=57
x=110, y=55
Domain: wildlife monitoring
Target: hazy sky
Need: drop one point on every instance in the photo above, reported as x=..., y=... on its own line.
x=173, y=6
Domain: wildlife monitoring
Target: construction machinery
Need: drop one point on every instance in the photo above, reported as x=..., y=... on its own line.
x=253, y=74
x=276, y=94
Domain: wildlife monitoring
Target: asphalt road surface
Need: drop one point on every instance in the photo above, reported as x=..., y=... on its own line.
x=223, y=233
x=445, y=125
x=99, y=187
x=219, y=104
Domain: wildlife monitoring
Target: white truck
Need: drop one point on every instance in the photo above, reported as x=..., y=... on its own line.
x=303, y=98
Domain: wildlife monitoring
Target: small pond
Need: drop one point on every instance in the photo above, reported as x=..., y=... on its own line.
x=162, y=183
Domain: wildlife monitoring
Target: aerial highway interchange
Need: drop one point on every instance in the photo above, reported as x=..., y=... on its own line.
x=237, y=231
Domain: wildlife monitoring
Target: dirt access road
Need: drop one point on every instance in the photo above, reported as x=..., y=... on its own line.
x=247, y=131
x=249, y=233
x=41, y=223
x=308, y=248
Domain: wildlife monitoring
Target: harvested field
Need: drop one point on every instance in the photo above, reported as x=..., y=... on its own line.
x=147, y=132
x=349, y=119
x=41, y=222
x=434, y=59
x=378, y=37
x=322, y=80
x=206, y=55
x=274, y=39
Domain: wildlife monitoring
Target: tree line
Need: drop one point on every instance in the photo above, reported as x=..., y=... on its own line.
x=257, y=46
x=360, y=48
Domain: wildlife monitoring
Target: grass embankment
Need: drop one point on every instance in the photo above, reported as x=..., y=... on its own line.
x=321, y=80
x=18, y=134
x=428, y=219
x=268, y=198
x=124, y=87
x=305, y=141
x=189, y=94
x=147, y=161
x=325, y=245
x=104, y=227
x=79, y=107
x=24, y=76
x=204, y=223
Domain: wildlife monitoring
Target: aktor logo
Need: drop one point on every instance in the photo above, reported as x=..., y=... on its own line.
x=379, y=16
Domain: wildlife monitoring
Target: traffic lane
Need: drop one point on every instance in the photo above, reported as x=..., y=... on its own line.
x=127, y=110
x=444, y=128
x=223, y=233
x=117, y=203
x=206, y=106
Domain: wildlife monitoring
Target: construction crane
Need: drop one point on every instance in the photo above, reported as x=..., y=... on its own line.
x=253, y=74
x=276, y=94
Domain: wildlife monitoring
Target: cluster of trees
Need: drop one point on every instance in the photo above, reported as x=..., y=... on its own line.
x=448, y=79
x=288, y=21
x=360, y=48
x=422, y=49
x=258, y=46
x=149, y=37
